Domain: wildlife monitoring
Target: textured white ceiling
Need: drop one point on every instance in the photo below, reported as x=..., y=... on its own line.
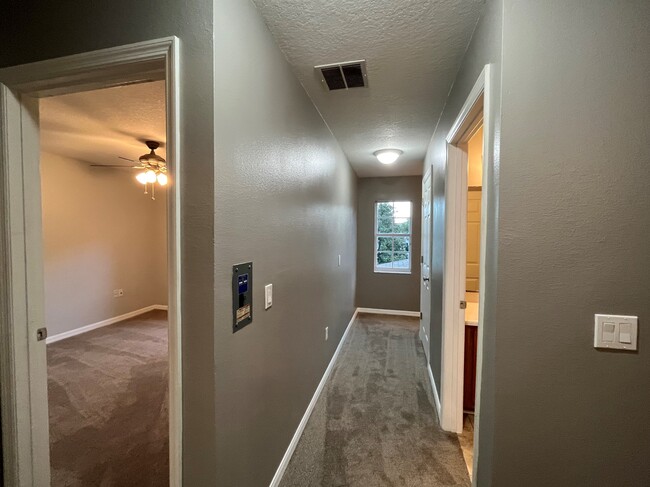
x=413, y=50
x=98, y=126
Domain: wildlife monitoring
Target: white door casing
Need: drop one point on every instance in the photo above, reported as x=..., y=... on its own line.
x=23, y=365
x=474, y=110
x=425, y=285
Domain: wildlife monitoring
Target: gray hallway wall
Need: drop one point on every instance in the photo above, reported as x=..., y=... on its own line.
x=567, y=233
x=575, y=226
x=285, y=198
x=485, y=48
x=44, y=30
x=383, y=290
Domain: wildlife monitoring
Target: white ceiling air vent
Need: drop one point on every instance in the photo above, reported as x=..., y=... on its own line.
x=343, y=76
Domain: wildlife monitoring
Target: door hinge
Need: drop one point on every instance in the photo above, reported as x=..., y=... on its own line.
x=41, y=334
x=422, y=259
x=463, y=305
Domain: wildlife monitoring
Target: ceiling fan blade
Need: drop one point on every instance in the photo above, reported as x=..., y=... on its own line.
x=130, y=160
x=114, y=165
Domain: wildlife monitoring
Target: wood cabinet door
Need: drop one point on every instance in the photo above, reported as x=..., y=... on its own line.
x=469, y=379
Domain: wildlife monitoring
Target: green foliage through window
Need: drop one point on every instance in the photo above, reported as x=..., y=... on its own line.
x=393, y=236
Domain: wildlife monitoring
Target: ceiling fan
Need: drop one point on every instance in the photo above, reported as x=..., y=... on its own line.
x=153, y=168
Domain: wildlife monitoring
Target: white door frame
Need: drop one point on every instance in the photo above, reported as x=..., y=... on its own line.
x=425, y=264
x=453, y=328
x=23, y=365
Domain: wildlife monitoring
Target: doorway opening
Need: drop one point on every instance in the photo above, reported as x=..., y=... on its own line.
x=466, y=194
x=81, y=263
x=474, y=148
x=105, y=284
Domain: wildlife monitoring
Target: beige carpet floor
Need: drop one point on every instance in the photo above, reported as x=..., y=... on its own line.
x=108, y=405
x=375, y=424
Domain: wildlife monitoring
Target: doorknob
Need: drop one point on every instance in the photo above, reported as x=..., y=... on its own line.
x=425, y=279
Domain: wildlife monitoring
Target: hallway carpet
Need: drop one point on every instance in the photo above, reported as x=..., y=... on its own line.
x=108, y=405
x=375, y=423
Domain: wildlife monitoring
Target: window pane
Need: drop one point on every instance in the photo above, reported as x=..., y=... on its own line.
x=384, y=259
x=402, y=217
x=385, y=209
x=385, y=225
x=402, y=225
x=393, y=218
x=402, y=209
x=401, y=244
x=384, y=243
x=401, y=260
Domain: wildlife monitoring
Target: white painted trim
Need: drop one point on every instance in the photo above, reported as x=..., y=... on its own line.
x=436, y=397
x=454, y=288
x=277, y=478
x=91, y=70
x=100, y=324
x=23, y=379
x=453, y=329
x=394, y=312
x=18, y=464
x=488, y=170
x=477, y=90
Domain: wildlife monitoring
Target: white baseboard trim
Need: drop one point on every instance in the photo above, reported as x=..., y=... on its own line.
x=436, y=397
x=275, y=482
x=396, y=312
x=99, y=324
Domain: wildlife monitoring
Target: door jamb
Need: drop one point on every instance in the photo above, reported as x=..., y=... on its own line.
x=453, y=330
x=425, y=250
x=24, y=413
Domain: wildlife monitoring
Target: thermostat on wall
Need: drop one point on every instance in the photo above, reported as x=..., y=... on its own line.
x=242, y=295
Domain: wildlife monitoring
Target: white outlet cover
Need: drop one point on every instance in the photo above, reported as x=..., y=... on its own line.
x=616, y=332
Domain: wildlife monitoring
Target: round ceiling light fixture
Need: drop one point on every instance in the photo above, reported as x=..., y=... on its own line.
x=387, y=156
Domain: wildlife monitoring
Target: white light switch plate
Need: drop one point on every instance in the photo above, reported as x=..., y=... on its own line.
x=616, y=331
x=268, y=296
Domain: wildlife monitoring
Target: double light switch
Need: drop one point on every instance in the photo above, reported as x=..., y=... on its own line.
x=616, y=331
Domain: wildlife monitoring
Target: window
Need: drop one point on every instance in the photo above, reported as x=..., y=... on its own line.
x=393, y=236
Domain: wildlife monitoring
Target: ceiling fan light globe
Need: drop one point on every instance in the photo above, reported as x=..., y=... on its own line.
x=162, y=179
x=141, y=177
x=151, y=176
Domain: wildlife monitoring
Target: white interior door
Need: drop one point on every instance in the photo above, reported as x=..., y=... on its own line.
x=425, y=293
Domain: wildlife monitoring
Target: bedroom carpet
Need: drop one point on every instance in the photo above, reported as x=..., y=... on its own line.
x=108, y=405
x=375, y=423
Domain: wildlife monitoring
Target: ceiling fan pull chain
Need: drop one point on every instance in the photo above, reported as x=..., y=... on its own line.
x=153, y=191
x=145, y=188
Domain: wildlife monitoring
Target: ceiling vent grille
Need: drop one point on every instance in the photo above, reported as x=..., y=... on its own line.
x=343, y=76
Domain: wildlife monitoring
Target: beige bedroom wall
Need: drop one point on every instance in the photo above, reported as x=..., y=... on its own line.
x=475, y=159
x=474, y=181
x=100, y=233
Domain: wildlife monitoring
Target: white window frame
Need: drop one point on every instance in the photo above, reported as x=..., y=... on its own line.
x=376, y=235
